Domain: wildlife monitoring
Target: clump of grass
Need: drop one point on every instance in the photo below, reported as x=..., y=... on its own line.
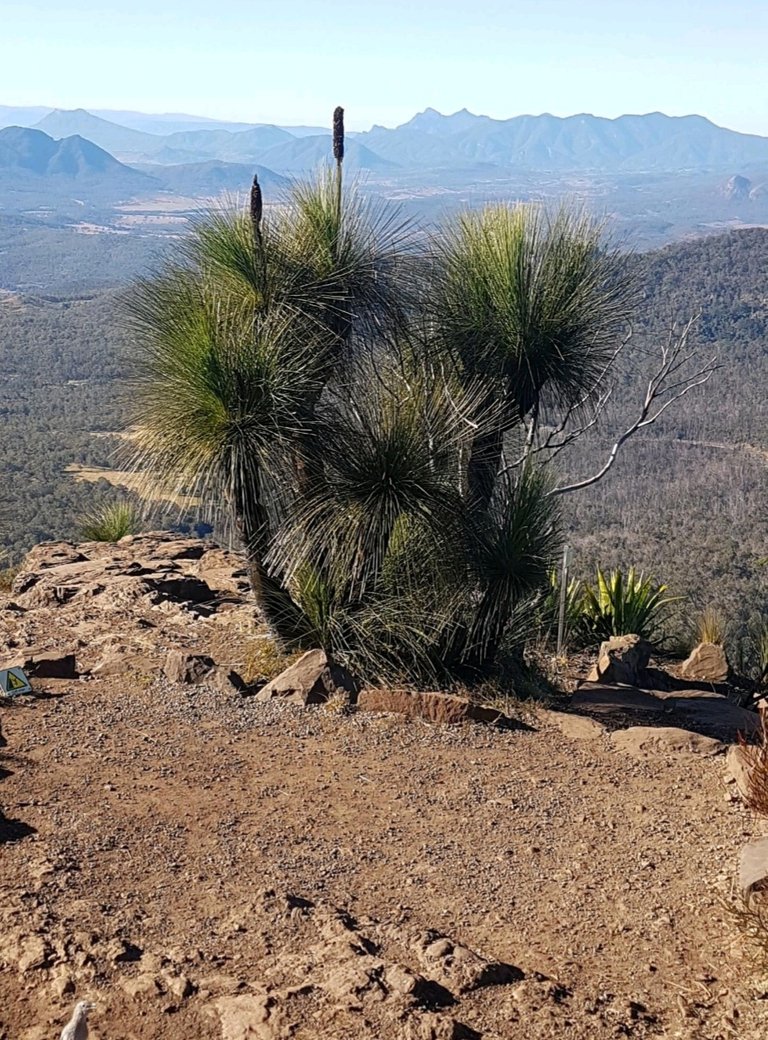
x=263, y=660
x=710, y=626
x=110, y=523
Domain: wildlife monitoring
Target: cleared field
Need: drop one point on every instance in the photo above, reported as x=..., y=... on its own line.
x=131, y=482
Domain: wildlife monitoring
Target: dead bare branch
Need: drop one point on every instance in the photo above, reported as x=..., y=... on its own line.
x=660, y=394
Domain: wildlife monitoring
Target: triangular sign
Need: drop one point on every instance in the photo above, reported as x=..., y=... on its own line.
x=13, y=682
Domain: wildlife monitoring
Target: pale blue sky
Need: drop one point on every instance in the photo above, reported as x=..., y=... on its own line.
x=291, y=61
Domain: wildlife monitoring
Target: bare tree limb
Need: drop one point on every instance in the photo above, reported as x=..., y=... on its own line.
x=660, y=394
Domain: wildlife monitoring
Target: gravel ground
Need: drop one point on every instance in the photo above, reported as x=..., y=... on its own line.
x=159, y=815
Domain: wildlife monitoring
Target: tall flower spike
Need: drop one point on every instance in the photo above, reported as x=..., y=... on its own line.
x=338, y=134
x=256, y=206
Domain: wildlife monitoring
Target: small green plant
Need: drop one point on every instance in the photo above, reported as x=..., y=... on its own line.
x=710, y=626
x=619, y=605
x=110, y=523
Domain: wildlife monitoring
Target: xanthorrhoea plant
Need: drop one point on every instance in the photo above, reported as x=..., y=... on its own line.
x=534, y=303
x=350, y=414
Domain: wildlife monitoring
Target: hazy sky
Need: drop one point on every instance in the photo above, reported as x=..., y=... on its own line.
x=291, y=61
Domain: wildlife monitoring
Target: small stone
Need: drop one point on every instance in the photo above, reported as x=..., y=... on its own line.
x=188, y=668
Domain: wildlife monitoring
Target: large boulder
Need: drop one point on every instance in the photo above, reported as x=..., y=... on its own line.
x=434, y=707
x=623, y=660
x=313, y=679
x=707, y=663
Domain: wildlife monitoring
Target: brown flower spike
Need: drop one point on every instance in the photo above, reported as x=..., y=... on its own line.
x=338, y=134
x=256, y=205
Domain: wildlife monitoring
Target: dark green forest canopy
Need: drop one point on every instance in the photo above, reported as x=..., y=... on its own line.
x=686, y=500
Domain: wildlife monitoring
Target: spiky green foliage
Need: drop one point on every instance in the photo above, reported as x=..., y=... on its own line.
x=537, y=301
x=621, y=604
x=299, y=369
x=110, y=523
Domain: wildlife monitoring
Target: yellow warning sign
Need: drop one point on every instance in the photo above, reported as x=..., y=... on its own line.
x=13, y=682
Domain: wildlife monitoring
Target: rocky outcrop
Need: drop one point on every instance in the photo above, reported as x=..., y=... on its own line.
x=708, y=662
x=146, y=604
x=622, y=660
x=737, y=188
x=361, y=977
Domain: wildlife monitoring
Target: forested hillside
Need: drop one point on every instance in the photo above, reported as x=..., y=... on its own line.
x=686, y=499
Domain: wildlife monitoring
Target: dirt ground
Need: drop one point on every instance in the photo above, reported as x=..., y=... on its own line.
x=203, y=866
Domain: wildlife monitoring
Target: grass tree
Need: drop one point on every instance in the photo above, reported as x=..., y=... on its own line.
x=345, y=393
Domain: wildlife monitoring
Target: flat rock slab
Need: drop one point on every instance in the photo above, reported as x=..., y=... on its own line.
x=440, y=708
x=701, y=711
x=645, y=741
x=611, y=699
x=577, y=727
x=753, y=866
x=46, y=665
x=737, y=769
x=716, y=715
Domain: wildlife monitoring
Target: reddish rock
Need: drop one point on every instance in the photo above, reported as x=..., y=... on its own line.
x=434, y=707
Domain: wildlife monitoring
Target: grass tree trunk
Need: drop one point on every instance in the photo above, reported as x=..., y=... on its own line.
x=280, y=613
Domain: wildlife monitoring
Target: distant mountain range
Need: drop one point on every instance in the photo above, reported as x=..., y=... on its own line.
x=576, y=143
x=429, y=141
x=27, y=154
x=33, y=164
